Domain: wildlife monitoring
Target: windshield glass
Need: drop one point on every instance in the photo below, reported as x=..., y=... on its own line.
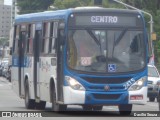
x=152, y=72
x=106, y=51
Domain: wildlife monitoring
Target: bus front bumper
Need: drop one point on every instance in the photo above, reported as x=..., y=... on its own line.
x=75, y=97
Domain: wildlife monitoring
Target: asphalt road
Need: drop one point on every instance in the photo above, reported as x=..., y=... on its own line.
x=9, y=101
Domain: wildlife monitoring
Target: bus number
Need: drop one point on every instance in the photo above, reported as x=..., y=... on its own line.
x=128, y=84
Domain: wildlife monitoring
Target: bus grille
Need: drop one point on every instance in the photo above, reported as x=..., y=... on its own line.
x=106, y=97
x=106, y=80
x=101, y=88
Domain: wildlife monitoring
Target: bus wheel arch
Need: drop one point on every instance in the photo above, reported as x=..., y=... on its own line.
x=29, y=103
x=55, y=106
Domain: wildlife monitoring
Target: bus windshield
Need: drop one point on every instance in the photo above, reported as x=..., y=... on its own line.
x=106, y=50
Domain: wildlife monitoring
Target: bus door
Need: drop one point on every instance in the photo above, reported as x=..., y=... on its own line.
x=60, y=74
x=37, y=41
x=21, y=60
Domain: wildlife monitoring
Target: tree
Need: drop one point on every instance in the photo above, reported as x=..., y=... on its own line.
x=31, y=6
x=4, y=41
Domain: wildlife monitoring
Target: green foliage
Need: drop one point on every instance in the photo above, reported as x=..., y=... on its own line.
x=31, y=6
x=4, y=41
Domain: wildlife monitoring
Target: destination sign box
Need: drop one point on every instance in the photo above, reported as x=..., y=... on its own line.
x=105, y=20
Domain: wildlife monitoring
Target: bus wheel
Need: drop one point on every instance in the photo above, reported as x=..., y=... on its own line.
x=41, y=105
x=97, y=108
x=87, y=108
x=125, y=109
x=55, y=106
x=29, y=103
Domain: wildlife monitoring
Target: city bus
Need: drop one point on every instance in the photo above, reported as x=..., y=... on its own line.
x=89, y=56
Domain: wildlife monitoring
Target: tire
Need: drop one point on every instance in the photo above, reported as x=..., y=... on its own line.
x=29, y=103
x=55, y=106
x=125, y=109
x=41, y=105
x=87, y=108
x=151, y=99
x=97, y=108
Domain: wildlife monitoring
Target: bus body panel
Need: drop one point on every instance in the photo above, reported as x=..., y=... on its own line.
x=14, y=80
x=141, y=92
x=47, y=69
x=85, y=97
x=73, y=96
x=28, y=74
x=14, y=76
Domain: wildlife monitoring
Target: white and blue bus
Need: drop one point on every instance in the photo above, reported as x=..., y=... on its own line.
x=92, y=57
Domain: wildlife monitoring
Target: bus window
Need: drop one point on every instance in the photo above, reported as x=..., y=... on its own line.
x=55, y=29
x=31, y=30
x=53, y=36
x=45, y=41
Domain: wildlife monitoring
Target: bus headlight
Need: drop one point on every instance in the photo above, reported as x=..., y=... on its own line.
x=74, y=84
x=138, y=84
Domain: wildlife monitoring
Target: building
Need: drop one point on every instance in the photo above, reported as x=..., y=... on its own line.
x=1, y=2
x=5, y=20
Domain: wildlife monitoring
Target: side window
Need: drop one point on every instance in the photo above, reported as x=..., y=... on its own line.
x=45, y=41
x=53, y=36
x=16, y=39
x=31, y=31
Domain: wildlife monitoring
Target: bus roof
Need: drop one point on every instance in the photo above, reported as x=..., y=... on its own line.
x=63, y=14
x=41, y=16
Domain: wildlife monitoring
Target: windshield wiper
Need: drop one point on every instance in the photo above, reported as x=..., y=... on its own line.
x=120, y=36
x=98, y=41
x=94, y=37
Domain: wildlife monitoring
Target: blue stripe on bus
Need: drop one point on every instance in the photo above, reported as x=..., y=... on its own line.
x=25, y=62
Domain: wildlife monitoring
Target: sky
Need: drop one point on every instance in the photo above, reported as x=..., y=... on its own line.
x=8, y=2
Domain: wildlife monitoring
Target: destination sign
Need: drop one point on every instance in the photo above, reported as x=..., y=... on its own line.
x=105, y=20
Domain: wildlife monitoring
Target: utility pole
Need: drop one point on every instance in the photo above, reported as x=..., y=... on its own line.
x=13, y=10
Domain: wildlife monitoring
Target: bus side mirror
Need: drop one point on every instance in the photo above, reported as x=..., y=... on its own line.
x=10, y=51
